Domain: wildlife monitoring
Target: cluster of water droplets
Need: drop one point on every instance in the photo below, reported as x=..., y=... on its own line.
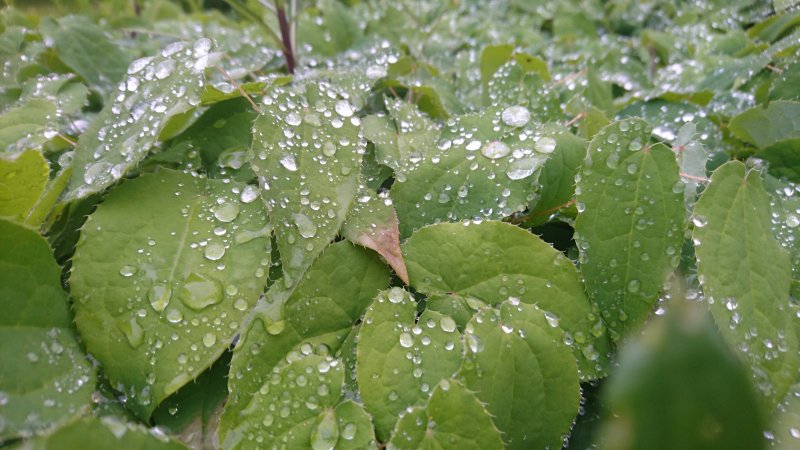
x=154, y=89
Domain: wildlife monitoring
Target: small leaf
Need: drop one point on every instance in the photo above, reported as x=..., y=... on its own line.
x=165, y=272
x=307, y=154
x=25, y=126
x=154, y=90
x=105, y=432
x=528, y=381
x=372, y=222
x=453, y=418
x=680, y=387
x=630, y=224
x=23, y=178
x=320, y=313
x=558, y=177
x=765, y=126
x=493, y=262
x=492, y=58
x=746, y=277
x=45, y=378
x=389, y=380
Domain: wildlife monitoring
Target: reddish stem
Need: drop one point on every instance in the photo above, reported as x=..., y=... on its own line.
x=286, y=37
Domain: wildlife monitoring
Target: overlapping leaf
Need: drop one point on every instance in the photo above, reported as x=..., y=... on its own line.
x=746, y=277
x=161, y=293
x=630, y=227
x=307, y=154
x=45, y=378
x=23, y=178
x=494, y=262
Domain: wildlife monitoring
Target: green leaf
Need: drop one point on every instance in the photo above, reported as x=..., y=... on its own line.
x=681, y=387
x=516, y=364
x=88, y=50
x=320, y=313
x=785, y=219
x=107, y=432
x=783, y=158
x=479, y=169
x=23, y=178
x=785, y=424
x=288, y=407
x=784, y=86
x=372, y=222
x=746, y=277
x=452, y=419
x=163, y=276
x=45, y=378
x=630, y=224
x=765, y=126
x=389, y=380
x=513, y=85
x=492, y=58
x=154, y=90
x=495, y=261
x=25, y=126
x=307, y=154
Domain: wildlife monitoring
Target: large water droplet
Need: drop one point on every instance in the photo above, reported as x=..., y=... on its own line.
x=448, y=324
x=289, y=163
x=343, y=108
x=226, y=212
x=214, y=251
x=305, y=226
x=128, y=271
x=495, y=150
x=515, y=116
x=522, y=168
x=200, y=291
x=133, y=331
x=545, y=145
x=406, y=340
x=159, y=296
x=326, y=433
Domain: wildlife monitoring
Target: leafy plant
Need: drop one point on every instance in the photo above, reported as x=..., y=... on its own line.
x=418, y=224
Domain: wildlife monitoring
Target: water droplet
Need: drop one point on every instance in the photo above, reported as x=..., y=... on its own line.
x=293, y=119
x=633, y=286
x=249, y=194
x=226, y=212
x=522, y=168
x=495, y=150
x=199, y=291
x=209, y=339
x=128, y=271
x=699, y=221
x=159, y=296
x=406, y=340
x=174, y=315
x=214, y=251
x=448, y=324
x=164, y=68
x=305, y=226
x=515, y=116
x=552, y=319
x=545, y=145
x=240, y=304
x=792, y=221
x=349, y=431
x=343, y=108
x=329, y=149
x=289, y=163
x=395, y=295
x=133, y=331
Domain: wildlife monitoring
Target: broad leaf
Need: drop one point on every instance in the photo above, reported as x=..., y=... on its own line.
x=154, y=90
x=401, y=359
x=23, y=178
x=307, y=154
x=164, y=274
x=493, y=262
x=681, y=387
x=630, y=224
x=785, y=424
x=320, y=313
x=87, y=49
x=746, y=277
x=107, y=432
x=453, y=418
x=517, y=365
x=45, y=378
x=765, y=126
x=558, y=177
x=783, y=158
x=485, y=166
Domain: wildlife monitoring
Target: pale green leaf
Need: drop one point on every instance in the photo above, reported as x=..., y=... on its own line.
x=23, y=178
x=765, y=126
x=26, y=125
x=45, y=378
x=746, y=277
x=630, y=227
x=320, y=313
x=154, y=90
x=494, y=261
x=389, y=380
x=785, y=422
x=452, y=419
x=307, y=154
x=517, y=365
x=163, y=277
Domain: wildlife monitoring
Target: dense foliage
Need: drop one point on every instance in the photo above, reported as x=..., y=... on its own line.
x=454, y=224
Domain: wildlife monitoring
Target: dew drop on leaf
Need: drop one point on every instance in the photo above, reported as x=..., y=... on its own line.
x=227, y=212
x=159, y=296
x=495, y=150
x=200, y=291
x=515, y=116
x=545, y=145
